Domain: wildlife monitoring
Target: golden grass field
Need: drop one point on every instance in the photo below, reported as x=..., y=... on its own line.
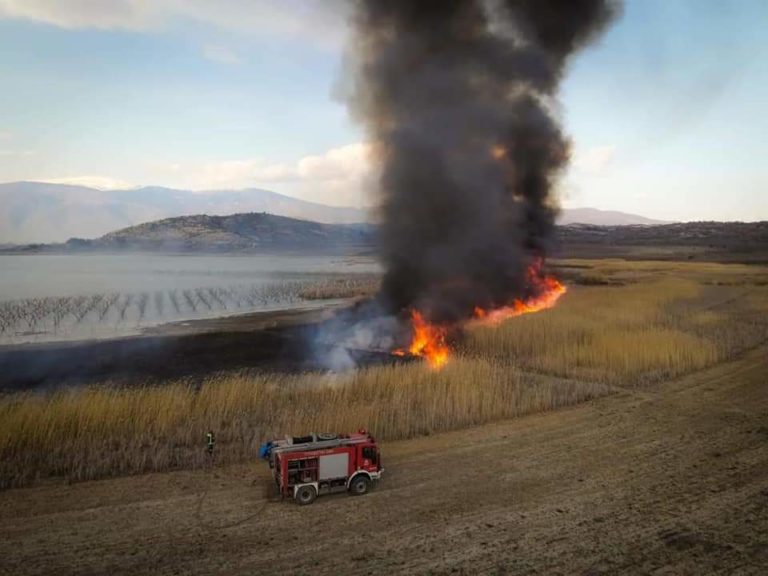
x=620, y=325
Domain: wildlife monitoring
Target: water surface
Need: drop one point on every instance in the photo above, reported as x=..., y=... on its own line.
x=63, y=297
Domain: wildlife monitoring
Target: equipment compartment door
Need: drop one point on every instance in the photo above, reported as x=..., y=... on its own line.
x=334, y=466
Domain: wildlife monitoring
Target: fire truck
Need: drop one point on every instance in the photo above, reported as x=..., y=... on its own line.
x=306, y=466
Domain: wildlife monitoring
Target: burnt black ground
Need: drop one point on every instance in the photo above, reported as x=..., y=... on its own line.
x=276, y=342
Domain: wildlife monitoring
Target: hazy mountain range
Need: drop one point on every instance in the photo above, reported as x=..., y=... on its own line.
x=41, y=212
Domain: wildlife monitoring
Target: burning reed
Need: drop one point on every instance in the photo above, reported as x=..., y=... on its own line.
x=667, y=321
x=457, y=99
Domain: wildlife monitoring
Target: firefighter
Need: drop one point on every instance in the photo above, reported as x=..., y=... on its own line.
x=210, y=442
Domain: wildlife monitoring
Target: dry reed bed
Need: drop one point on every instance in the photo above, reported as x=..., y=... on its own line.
x=665, y=320
x=660, y=326
x=91, y=433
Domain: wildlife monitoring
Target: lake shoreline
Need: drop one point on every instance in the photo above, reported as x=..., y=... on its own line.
x=53, y=299
x=275, y=341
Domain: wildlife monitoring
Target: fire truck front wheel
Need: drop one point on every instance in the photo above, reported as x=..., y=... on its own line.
x=305, y=495
x=359, y=485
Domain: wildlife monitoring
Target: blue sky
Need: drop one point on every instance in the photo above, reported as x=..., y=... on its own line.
x=666, y=111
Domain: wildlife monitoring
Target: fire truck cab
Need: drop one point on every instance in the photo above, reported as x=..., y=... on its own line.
x=304, y=467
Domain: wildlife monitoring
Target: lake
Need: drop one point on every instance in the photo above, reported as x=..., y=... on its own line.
x=63, y=297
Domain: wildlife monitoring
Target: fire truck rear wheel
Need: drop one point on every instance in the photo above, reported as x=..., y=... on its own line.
x=306, y=495
x=359, y=485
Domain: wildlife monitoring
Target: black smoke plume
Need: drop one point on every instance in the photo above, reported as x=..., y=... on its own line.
x=457, y=97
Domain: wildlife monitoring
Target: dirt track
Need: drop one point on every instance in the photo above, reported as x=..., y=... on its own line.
x=669, y=480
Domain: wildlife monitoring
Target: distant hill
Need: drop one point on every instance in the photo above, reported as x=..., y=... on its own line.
x=235, y=233
x=249, y=232
x=716, y=241
x=41, y=212
x=709, y=234
x=603, y=217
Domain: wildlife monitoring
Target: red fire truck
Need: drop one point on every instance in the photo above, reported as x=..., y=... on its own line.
x=307, y=466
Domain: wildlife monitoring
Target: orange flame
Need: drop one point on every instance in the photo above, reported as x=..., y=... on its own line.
x=429, y=340
x=551, y=290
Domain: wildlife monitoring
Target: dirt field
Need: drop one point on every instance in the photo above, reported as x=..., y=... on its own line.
x=672, y=479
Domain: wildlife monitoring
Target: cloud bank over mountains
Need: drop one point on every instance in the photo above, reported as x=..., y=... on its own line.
x=339, y=176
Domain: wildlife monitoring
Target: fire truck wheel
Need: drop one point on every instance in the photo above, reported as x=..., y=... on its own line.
x=359, y=485
x=306, y=495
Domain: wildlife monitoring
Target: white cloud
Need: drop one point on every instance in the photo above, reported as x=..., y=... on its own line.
x=350, y=162
x=232, y=174
x=126, y=14
x=319, y=21
x=221, y=54
x=98, y=182
x=340, y=176
x=595, y=160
